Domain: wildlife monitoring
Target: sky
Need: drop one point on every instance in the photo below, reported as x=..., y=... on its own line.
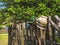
x=2, y=5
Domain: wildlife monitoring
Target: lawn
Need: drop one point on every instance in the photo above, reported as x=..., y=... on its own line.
x=3, y=39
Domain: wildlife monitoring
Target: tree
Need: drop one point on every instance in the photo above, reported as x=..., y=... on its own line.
x=26, y=10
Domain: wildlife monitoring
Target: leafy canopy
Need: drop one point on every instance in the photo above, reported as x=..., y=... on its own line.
x=25, y=10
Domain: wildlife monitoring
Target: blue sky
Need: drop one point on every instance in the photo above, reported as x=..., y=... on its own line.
x=2, y=5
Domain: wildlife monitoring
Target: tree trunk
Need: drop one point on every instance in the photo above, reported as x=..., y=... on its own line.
x=13, y=35
x=9, y=35
x=22, y=33
x=50, y=31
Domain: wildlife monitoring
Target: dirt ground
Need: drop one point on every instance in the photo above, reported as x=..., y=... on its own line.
x=3, y=31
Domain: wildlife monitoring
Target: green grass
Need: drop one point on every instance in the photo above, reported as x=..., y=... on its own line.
x=3, y=36
x=3, y=39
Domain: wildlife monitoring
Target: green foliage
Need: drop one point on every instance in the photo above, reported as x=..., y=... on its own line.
x=57, y=39
x=29, y=9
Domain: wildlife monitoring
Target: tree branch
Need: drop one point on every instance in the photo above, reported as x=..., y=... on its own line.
x=53, y=24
